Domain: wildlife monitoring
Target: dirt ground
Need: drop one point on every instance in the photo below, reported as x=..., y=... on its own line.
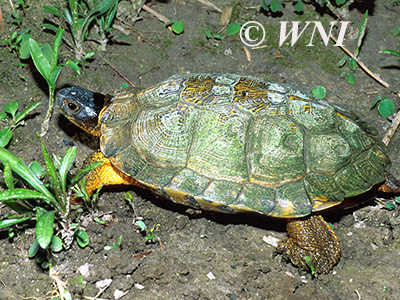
x=203, y=255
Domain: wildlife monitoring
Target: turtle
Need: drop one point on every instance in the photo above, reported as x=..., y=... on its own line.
x=232, y=143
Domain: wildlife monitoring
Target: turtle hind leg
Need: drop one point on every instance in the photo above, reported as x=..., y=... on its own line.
x=312, y=238
x=105, y=174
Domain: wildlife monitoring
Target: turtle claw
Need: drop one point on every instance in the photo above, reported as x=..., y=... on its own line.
x=312, y=245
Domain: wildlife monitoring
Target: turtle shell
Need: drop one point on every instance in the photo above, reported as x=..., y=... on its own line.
x=232, y=143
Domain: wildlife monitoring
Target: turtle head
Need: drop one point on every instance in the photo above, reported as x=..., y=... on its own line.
x=82, y=107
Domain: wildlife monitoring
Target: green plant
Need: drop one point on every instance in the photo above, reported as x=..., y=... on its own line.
x=176, y=26
x=309, y=262
x=143, y=228
x=392, y=204
x=16, y=18
x=352, y=60
x=385, y=106
x=319, y=92
x=273, y=5
x=48, y=204
x=13, y=118
x=114, y=246
x=80, y=16
x=45, y=59
x=17, y=42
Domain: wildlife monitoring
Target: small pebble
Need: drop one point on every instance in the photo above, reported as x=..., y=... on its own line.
x=210, y=276
x=139, y=286
x=271, y=240
x=119, y=294
x=84, y=270
x=102, y=284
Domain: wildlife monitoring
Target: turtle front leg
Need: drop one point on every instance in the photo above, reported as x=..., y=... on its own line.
x=105, y=174
x=313, y=238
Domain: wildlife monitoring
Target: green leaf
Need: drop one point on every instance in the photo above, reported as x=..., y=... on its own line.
x=66, y=164
x=27, y=111
x=309, y=262
x=264, y=5
x=49, y=165
x=391, y=51
x=44, y=229
x=20, y=193
x=361, y=32
x=276, y=6
x=124, y=85
x=56, y=47
x=68, y=17
x=100, y=9
x=7, y=174
x=299, y=6
x=82, y=238
x=350, y=78
x=88, y=55
x=390, y=205
x=50, y=26
x=36, y=168
x=74, y=65
x=386, y=108
x=47, y=52
x=33, y=249
x=5, y=136
x=170, y=22
x=340, y=2
x=54, y=75
x=39, y=60
x=11, y=108
x=396, y=31
x=24, y=51
x=11, y=222
x=377, y=99
x=352, y=64
x=319, y=92
x=52, y=10
x=110, y=17
x=56, y=244
x=233, y=28
x=141, y=225
x=177, y=27
x=208, y=34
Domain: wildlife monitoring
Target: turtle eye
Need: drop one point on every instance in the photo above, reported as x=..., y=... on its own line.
x=73, y=107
